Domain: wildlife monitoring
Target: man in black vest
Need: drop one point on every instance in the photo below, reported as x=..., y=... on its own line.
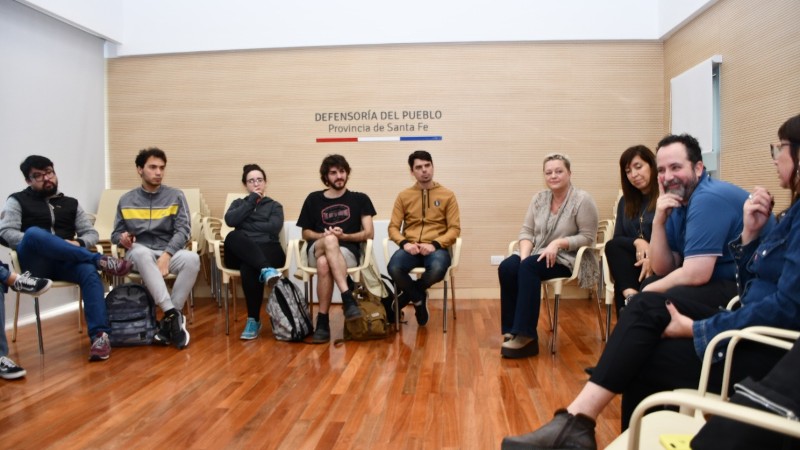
x=52, y=234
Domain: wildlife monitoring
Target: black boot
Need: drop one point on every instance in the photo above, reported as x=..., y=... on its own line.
x=351, y=311
x=322, y=332
x=565, y=431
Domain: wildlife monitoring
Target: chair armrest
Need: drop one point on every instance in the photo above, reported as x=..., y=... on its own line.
x=708, y=405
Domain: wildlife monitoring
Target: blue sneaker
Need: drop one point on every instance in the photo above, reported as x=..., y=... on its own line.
x=251, y=329
x=269, y=275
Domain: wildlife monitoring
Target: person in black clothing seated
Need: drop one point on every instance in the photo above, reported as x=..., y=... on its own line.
x=254, y=245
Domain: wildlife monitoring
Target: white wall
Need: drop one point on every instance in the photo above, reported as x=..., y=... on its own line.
x=52, y=87
x=141, y=27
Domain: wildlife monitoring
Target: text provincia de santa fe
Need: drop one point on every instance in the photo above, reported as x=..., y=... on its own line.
x=404, y=120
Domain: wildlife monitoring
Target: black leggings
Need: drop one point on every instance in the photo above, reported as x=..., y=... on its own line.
x=621, y=257
x=638, y=362
x=247, y=256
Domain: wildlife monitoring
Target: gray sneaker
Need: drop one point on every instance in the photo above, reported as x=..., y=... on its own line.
x=564, y=431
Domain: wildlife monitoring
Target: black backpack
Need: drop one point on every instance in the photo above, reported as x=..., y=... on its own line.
x=288, y=312
x=131, y=315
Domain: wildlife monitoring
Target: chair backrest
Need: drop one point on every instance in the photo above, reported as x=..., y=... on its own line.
x=228, y=201
x=194, y=200
x=616, y=205
x=107, y=211
x=455, y=255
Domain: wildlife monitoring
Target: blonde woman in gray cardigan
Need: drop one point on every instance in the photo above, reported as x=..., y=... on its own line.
x=559, y=221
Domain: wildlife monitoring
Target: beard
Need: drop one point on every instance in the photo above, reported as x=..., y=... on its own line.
x=682, y=189
x=49, y=189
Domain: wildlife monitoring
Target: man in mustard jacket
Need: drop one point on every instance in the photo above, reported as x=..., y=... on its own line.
x=425, y=223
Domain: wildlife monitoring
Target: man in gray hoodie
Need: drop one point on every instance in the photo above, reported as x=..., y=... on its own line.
x=153, y=224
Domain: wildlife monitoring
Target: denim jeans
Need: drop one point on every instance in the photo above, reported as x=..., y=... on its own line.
x=520, y=292
x=435, y=264
x=48, y=256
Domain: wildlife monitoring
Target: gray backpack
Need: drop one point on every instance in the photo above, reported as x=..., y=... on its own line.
x=131, y=315
x=288, y=312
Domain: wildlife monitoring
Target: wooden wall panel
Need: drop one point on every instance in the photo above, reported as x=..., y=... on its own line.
x=504, y=107
x=759, y=82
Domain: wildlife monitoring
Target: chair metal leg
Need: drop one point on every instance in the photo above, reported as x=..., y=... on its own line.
x=555, y=323
x=233, y=291
x=80, y=310
x=227, y=316
x=547, y=305
x=38, y=324
x=453, y=292
x=444, y=308
x=600, y=317
x=396, y=305
x=16, y=319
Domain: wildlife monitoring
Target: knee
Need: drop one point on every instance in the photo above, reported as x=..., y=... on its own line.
x=322, y=266
x=508, y=267
x=192, y=262
x=438, y=268
x=138, y=253
x=331, y=242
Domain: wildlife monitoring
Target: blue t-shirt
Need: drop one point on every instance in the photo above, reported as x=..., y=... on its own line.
x=705, y=226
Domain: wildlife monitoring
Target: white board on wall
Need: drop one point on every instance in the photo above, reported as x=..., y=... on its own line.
x=695, y=107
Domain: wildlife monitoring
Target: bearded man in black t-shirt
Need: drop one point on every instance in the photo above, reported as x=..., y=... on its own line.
x=335, y=222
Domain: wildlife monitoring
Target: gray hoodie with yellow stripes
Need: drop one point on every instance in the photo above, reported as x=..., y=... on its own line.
x=159, y=220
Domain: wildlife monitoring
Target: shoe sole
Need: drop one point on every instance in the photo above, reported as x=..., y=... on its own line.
x=96, y=358
x=185, y=331
x=14, y=376
x=42, y=290
x=531, y=349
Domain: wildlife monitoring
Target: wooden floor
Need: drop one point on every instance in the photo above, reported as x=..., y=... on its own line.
x=418, y=389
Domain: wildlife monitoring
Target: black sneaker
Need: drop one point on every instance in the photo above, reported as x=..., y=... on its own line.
x=421, y=311
x=28, y=284
x=9, y=370
x=178, y=335
x=162, y=335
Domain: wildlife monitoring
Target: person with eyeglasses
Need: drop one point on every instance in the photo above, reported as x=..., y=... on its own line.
x=254, y=245
x=661, y=336
x=559, y=220
x=153, y=224
x=335, y=222
x=52, y=236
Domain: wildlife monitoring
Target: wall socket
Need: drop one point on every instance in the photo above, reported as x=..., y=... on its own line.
x=495, y=260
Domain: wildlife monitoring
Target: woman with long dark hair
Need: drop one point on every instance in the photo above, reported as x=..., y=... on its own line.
x=627, y=252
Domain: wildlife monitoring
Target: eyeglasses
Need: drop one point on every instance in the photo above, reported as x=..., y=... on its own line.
x=255, y=181
x=39, y=176
x=775, y=149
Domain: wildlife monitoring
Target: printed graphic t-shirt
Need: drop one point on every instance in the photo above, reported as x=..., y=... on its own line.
x=345, y=212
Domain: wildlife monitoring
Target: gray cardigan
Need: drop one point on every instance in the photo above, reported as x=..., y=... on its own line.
x=577, y=222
